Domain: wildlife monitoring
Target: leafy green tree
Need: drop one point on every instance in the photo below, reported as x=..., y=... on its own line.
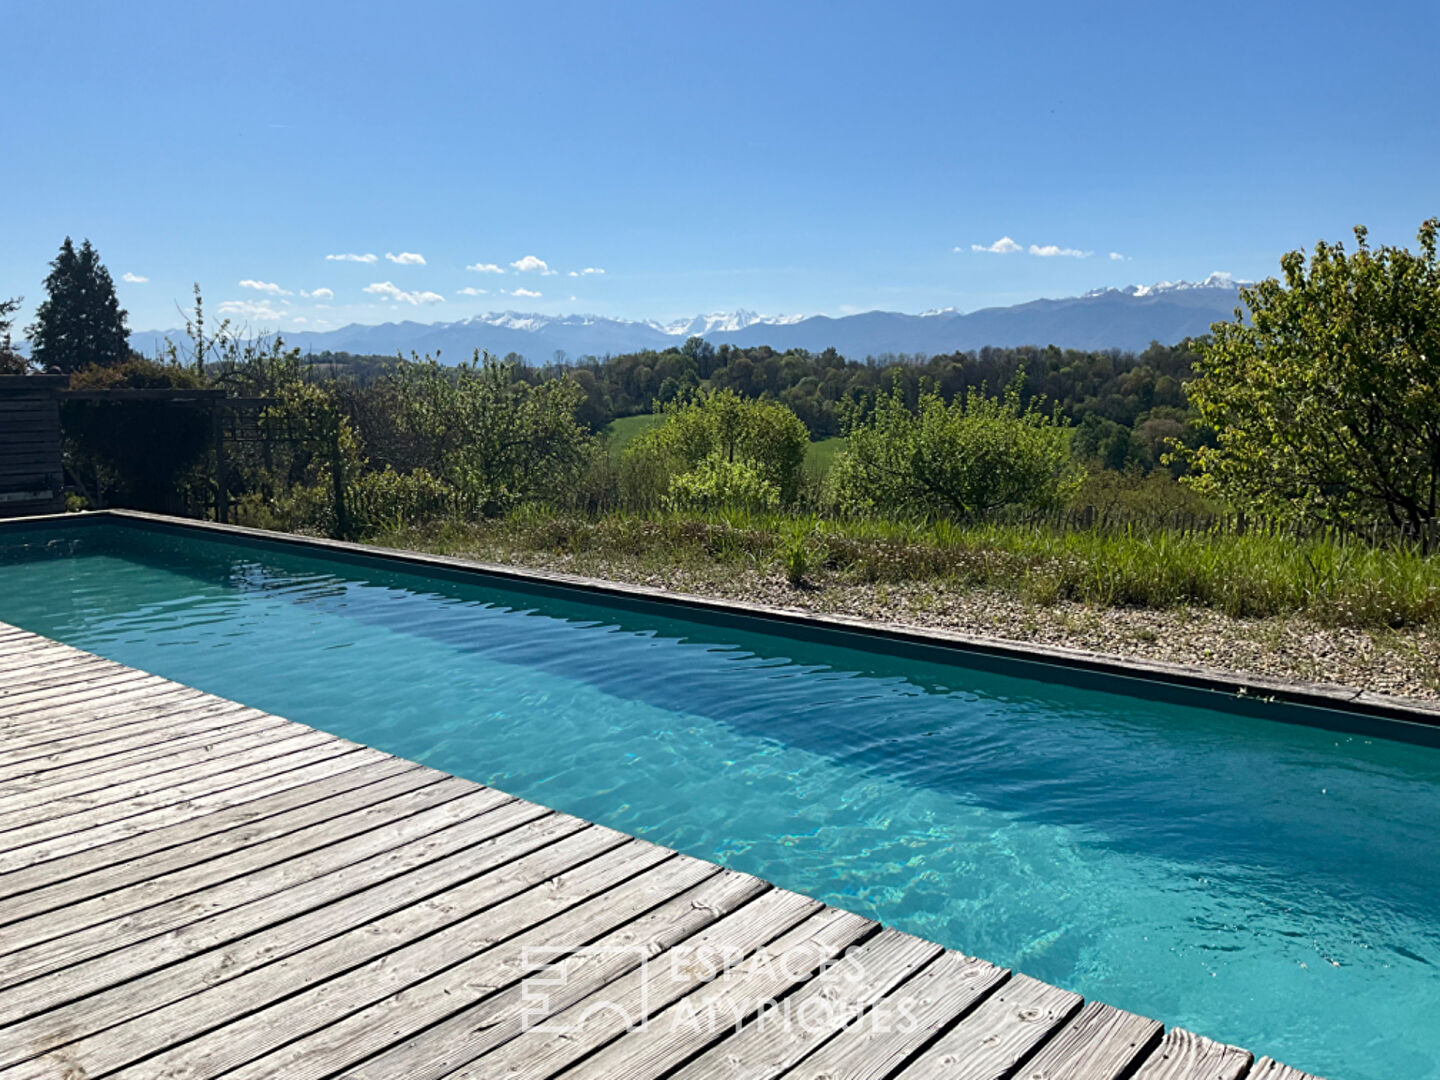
x=500, y=441
x=1325, y=402
x=726, y=429
x=973, y=455
x=11, y=362
x=80, y=323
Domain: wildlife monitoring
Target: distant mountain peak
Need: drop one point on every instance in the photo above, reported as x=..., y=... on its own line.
x=1128, y=318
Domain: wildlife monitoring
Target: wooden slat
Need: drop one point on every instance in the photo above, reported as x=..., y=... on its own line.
x=1183, y=1055
x=325, y=800
x=246, y=807
x=1268, y=1068
x=997, y=1036
x=787, y=1030
x=386, y=802
x=386, y=914
x=908, y=1018
x=128, y=722
x=297, y=769
x=1101, y=1043
x=616, y=950
x=488, y=958
x=103, y=954
x=590, y=1000
x=735, y=995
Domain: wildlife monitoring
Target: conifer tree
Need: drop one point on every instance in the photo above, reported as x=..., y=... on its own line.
x=81, y=322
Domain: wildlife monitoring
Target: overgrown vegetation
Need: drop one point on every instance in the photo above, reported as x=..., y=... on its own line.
x=1286, y=464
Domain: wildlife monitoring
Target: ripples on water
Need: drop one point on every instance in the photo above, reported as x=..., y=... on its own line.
x=1268, y=884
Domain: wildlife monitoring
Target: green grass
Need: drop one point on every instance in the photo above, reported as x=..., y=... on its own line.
x=1337, y=582
x=622, y=430
x=820, y=454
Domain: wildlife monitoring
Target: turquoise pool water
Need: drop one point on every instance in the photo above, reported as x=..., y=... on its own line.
x=1269, y=884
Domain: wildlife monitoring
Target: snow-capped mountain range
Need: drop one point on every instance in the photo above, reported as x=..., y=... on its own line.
x=1126, y=318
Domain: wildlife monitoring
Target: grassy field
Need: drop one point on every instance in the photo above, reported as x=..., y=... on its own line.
x=818, y=455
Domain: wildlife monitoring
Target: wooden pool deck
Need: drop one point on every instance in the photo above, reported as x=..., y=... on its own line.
x=193, y=888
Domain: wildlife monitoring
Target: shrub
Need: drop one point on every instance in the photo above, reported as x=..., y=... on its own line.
x=717, y=483
x=966, y=458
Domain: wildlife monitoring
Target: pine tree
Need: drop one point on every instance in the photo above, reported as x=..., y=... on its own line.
x=81, y=322
x=11, y=362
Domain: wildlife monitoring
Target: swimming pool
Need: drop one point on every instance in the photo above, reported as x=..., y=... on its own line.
x=1269, y=884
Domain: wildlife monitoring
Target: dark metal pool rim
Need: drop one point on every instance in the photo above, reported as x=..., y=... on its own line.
x=1324, y=705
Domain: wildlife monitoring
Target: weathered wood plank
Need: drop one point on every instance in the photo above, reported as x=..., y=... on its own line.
x=1005, y=1029
x=297, y=769
x=142, y=770
x=187, y=730
x=1268, y=1068
x=128, y=722
x=785, y=1031
x=387, y=802
x=1101, y=1043
x=385, y=915
x=624, y=940
x=910, y=1016
x=488, y=959
x=736, y=994
x=28, y=826
x=241, y=806
x=99, y=954
x=1183, y=1055
x=340, y=796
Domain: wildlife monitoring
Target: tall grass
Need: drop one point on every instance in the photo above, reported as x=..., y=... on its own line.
x=1332, y=579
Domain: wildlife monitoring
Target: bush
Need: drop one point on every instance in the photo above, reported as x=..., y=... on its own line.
x=717, y=483
x=975, y=455
x=762, y=438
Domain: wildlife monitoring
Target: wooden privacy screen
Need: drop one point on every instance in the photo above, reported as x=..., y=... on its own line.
x=32, y=479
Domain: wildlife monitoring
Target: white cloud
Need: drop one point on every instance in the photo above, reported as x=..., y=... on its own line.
x=470, y=290
x=134, y=279
x=267, y=287
x=485, y=268
x=586, y=272
x=391, y=291
x=1003, y=246
x=299, y=319
x=407, y=258
x=352, y=258
x=1049, y=251
x=1115, y=256
x=521, y=292
x=532, y=263
x=251, y=309
x=318, y=294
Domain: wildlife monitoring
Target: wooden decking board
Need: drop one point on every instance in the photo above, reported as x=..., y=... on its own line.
x=781, y=1035
x=361, y=769
x=384, y=913
x=997, y=1036
x=161, y=747
x=732, y=997
x=375, y=808
x=196, y=714
x=913, y=1015
x=1269, y=1069
x=482, y=951
x=1183, y=1055
x=1100, y=1043
x=193, y=888
x=110, y=882
x=78, y=817
x=235, y=1001
x=51, y=973
x=595, y=998
x=204, y=755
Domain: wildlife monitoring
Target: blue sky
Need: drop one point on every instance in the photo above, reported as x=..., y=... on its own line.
x=783, y=157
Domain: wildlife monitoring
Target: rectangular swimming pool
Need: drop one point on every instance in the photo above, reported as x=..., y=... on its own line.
x=1266, y=883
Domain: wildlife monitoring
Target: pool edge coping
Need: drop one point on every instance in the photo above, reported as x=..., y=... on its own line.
x=1330, y=696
